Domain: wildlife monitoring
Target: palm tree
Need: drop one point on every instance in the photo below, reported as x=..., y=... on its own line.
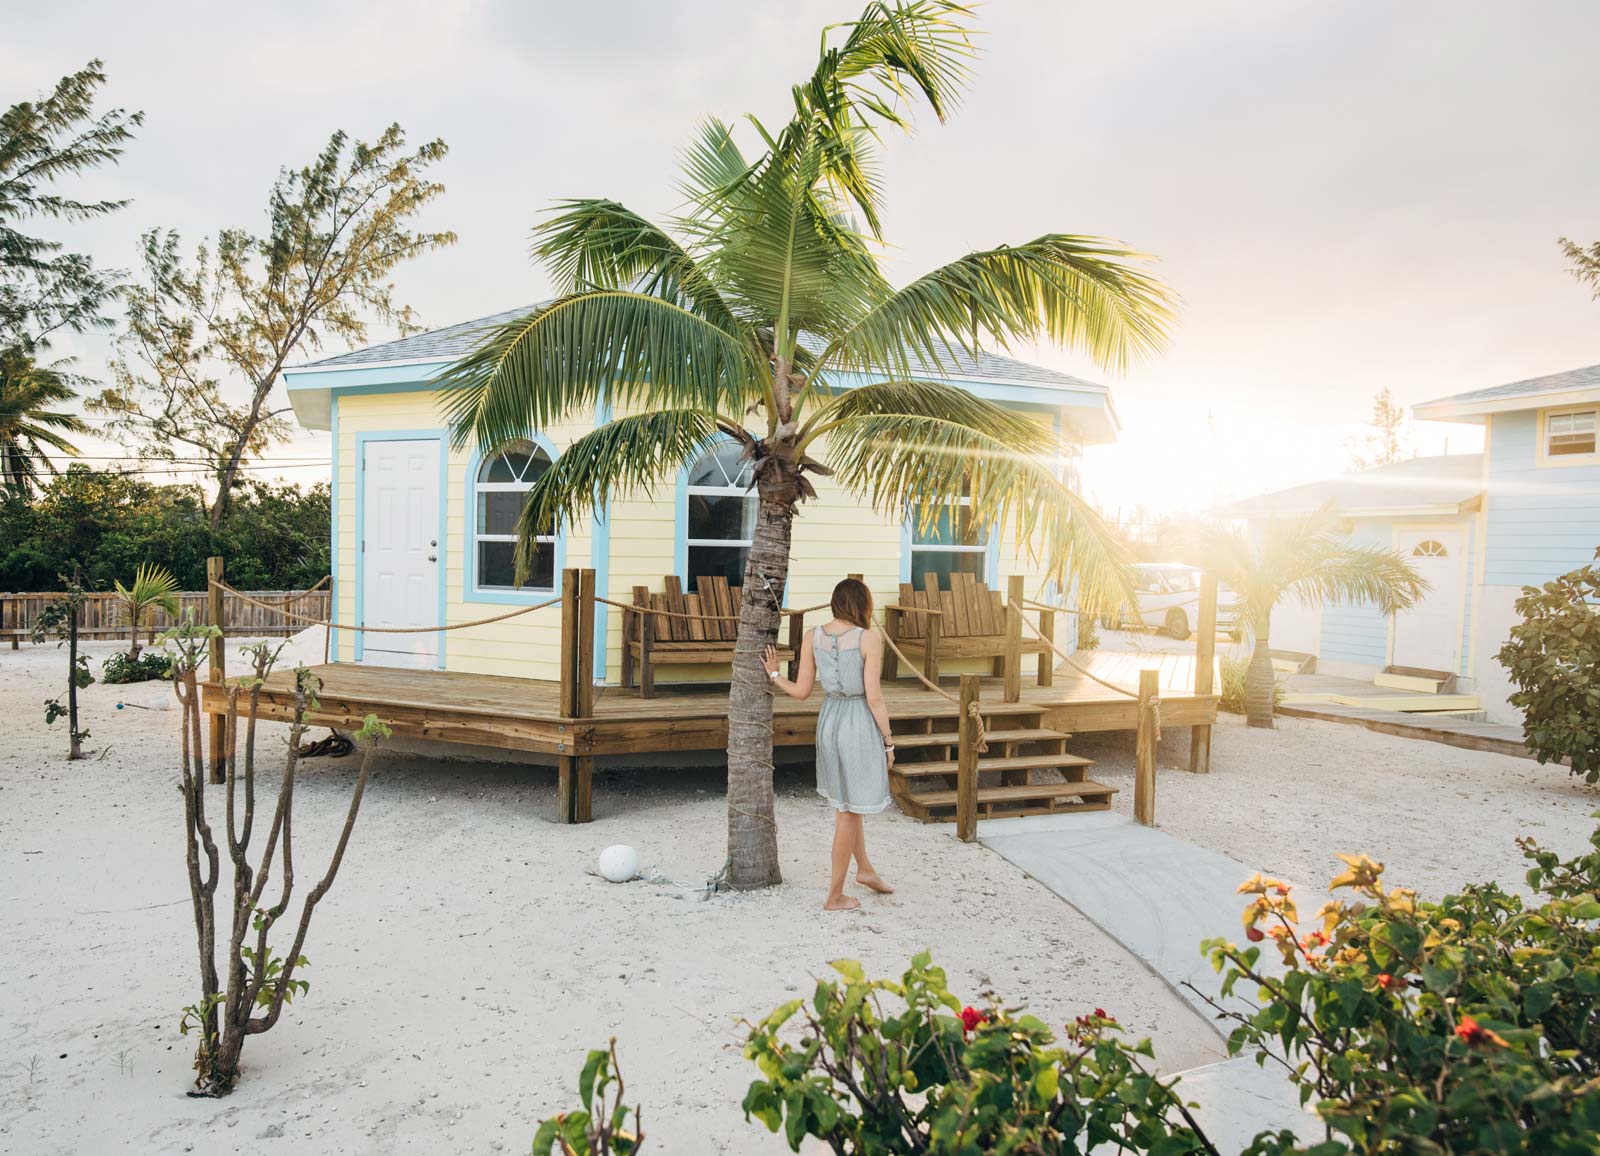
x=153, y=587
x=29, y=425
x=1308, y=558
x=759, y=316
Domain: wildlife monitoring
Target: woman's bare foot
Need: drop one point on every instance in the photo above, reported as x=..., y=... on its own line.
x=841, y=903
x=873, y=882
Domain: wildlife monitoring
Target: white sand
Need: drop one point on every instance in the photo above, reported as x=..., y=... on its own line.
x=464, y=960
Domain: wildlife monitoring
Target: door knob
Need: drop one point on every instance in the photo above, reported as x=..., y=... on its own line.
x=433, y=557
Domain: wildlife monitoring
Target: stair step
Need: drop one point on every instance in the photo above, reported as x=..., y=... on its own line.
x=1011, y=763
x=990, y=710
x=953, y=738
x=1020, y=794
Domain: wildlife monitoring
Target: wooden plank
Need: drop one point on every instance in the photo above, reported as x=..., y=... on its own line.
x=567, y=656
x=911, y=627
x=962, y=606
x=1013, y=655
x=967, y=770
x=1144, y=757
x=674, y=627
x=1205, y=653
x=697, y=624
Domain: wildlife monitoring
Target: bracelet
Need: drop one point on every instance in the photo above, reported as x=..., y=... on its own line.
x=773, y=675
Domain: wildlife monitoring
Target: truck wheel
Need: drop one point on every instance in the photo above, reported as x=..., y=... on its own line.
x=1177, y=624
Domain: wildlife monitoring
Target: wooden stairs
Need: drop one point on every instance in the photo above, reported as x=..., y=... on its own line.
x=1013, y=774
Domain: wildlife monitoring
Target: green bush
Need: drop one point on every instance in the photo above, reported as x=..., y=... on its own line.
x=1471, y=1025
x=1553, y=658
x=1233, y=672
x=149, y=666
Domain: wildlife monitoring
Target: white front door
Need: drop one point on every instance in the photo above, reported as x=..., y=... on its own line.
x=400, y=550
x=1428, y=636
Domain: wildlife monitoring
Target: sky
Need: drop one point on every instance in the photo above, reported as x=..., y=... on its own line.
x=1348, y=196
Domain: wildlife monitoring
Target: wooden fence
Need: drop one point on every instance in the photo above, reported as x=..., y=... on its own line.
x=103, y=616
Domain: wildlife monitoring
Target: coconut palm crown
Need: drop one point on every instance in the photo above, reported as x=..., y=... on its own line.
x=760, y=313
x=1306, y=558
x=31, y=423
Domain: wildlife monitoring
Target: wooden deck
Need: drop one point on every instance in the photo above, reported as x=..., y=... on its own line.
x=524, y=714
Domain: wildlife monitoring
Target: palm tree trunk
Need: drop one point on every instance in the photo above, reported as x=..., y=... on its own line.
x=752, y=828
x=1260, y=681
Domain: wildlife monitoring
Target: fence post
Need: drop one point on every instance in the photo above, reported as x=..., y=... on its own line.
x=566, y=763
x=16, y=622
x=967, y=763
x=1047, y=657
x=583, y=697
x=1205, y=655
x=1013, y=671
x=218, y=668
x=1144, y=757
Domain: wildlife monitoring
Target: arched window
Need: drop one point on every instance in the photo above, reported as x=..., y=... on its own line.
x=500, y=488
x=720, y=516
x=1428, y=548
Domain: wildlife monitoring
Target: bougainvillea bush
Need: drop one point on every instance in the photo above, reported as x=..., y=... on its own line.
x=1471, y=1025
x=1553, y=657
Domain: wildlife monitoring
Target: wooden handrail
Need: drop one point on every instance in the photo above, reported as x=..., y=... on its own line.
x=913, y=609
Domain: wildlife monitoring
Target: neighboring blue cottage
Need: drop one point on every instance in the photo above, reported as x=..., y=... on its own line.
x=1479, y=527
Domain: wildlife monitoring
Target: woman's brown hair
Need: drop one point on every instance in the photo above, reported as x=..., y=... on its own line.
x=852, y=603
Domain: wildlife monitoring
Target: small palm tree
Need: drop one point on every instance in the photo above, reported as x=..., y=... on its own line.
x=153, y=587
x=763, y=316
x=1309, y=559
x=30, y=426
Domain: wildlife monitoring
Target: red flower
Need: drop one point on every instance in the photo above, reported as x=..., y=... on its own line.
x=971, y=1017
x=1473, y=1033
x=1102, y=1014
x=1282, y=889
x=1255, y=935
x=1390, y=982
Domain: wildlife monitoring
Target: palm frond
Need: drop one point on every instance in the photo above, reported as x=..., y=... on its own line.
x=1079, y=292
x=600, y=244
x=559, y=358
x=626, y=455
x=925, y=464
x=152, y=586
x=932, y=399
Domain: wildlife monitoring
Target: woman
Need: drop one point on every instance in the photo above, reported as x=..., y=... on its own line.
x=855, y=747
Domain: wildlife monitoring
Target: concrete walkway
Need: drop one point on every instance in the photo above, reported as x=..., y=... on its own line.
x=1160, y=897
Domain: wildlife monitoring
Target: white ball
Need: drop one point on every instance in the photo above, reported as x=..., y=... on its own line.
x=619, y=863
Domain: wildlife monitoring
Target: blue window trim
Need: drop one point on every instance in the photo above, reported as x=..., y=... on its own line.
x=469, y=540
x=333, y=533
x=399, y=435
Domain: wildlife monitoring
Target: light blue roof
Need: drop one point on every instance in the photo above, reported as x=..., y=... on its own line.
x=1496, y=397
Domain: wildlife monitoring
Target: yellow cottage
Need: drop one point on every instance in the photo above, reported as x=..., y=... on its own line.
x=423, y=532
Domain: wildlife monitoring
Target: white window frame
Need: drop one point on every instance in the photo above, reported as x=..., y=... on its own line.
x=948, y=548
x=479, y=486
x=1549, y=417
x=731, y=490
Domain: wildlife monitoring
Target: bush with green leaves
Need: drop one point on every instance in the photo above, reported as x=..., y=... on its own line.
x=1553, y=659
x=150, y=666
x=1471, y=1025
x=1234, y=672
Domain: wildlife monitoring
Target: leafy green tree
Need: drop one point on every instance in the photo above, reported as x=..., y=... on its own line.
x=1553, y=658
x=1585, y=263
x=205, y=340
x=31, y=423
x=44, y=288
x=1309, y=559
x=753, y=315
x=1388, y=436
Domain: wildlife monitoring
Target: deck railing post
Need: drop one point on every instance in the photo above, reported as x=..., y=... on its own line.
x=218, y=667
x=892, y=629
x=566, y=762
x=967, y=763
x=930, y=648
x=1013, y=661
x=1205, y=655
x=797, y=636
x=1047, y=657
x=1144, y=757
x=583, y=696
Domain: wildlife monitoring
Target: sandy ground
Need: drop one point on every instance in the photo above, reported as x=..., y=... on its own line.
x=1287, y=800
x=465, y=959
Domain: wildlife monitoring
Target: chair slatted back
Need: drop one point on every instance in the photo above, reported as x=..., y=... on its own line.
x=968, y=609
x=707, y=614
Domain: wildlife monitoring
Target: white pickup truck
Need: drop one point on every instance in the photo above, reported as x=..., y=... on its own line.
x=1169, y=601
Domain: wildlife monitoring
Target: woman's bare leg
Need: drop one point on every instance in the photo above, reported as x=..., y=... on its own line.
x=866, y=874
x=846, y=836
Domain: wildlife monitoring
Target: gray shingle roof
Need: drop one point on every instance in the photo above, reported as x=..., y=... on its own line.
x=1444, y=480
x=453, y=341
x=1585, y=378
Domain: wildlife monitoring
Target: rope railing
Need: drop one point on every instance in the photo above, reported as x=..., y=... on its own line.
x=1155, y=703
x=972, y=708
x=637, y=608
x=309, y=621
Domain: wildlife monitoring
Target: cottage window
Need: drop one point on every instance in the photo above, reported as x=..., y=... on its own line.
x=953, y=542
x=1428, y=548
x=499, y=491
x=1570, y=433
x=721, y=515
